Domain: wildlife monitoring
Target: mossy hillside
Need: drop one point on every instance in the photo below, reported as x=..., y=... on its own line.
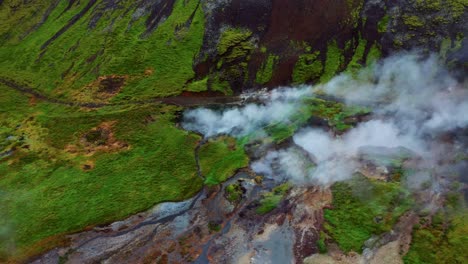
x=19, y=18
x=441, y=241
x=220, y=158
x=46, y=191
x=82, y=54
x=233, y=54
x=362, y=208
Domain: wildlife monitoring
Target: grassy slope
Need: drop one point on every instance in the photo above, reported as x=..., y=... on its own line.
x=45, y=190
x=81, y=54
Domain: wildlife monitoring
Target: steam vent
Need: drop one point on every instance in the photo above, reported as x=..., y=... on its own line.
x=234, y=131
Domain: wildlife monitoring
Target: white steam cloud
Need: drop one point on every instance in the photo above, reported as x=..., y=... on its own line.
x=413, y=101
x=274, y=107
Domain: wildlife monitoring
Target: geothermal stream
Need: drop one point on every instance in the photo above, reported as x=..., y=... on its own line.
x=421, y=111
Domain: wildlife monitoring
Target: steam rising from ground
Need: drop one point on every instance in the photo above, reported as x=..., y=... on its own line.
x=274, y=107
x=414, y=100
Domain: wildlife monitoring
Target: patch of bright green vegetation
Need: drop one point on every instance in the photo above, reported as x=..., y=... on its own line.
x=458, y=7
x=222, y=86
x=335, y=113
x=449, y=45
x=234, y=49
x=234, y=192
x=355, y=7
x=266, y=72
x=412, y=21
x=81, y=54
x=361, y=208
x=308, y=67
x=46, y=192
x=429, y=4
x=455, y=7
x=271, y=199
x=440, y=242
x=321, y=244
x=235, y=37
x=220, y=159
x=333, y=63
x=374, y=54
x=198, y=86
x=357, y=61
x=445, y=47
x=382, y=26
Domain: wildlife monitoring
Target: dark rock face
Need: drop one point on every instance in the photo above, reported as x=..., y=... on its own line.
x=280, y=27
x=289, y=29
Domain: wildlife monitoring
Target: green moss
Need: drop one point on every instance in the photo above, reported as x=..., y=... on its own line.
x=220, y=159
x=412, y=21
x=233, y=37
x=356, y=62
x=458, y=7
x=382, y=26
x=321, y=244
x=234, y=192
x=271, y=199
x=434, y=5
x=355, y=8
x=374, y=54
x=445, y=47
x=266, y=72
x=438, y=243
x=219, y=85
x=333, y=63
x=198, y=86
x=308, y=67
x=361, y=208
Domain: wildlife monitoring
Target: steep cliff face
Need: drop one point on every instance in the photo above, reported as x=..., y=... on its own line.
x=168, y=46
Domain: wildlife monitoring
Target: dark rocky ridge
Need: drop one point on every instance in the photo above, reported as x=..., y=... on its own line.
x=276, y=24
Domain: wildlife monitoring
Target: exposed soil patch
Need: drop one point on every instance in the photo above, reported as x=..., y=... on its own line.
x=110, y=85
x=102, y=89
x=100, y=138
